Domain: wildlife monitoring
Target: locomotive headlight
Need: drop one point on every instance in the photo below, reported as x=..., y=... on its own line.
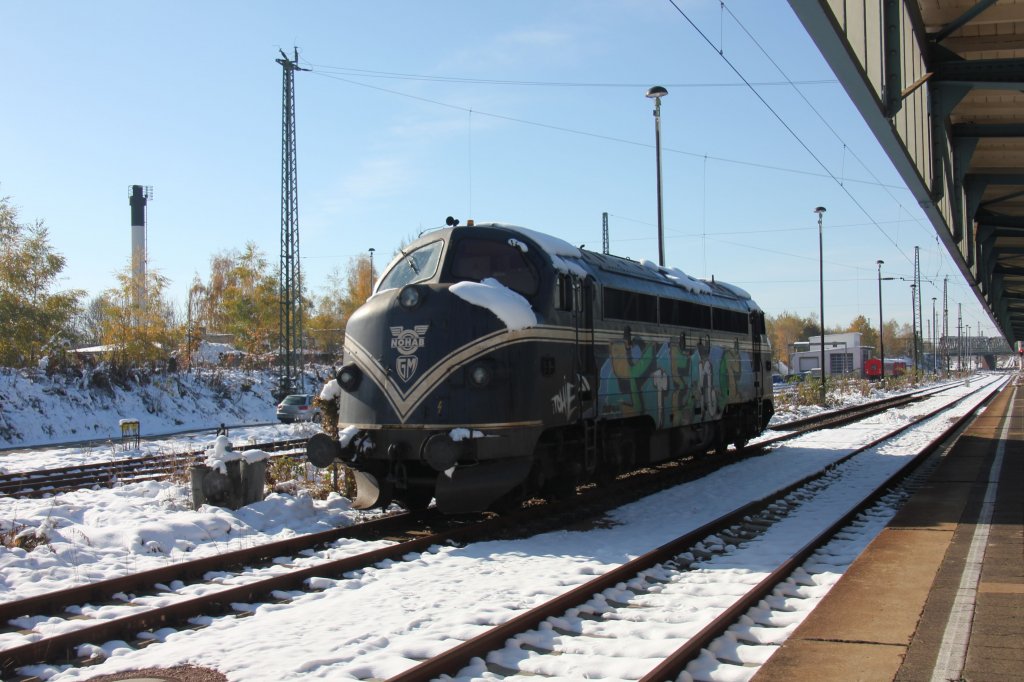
x=480, y=375
x=410, y=297
x=348, y=377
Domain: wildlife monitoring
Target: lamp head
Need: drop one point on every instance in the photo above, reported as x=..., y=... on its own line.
x=819, y=210
x=656, y=91
x=881, y=262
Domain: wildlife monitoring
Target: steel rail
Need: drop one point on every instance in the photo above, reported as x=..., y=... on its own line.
x=61, y=479
x=104, y=590
x=8, y=450
x=674, y=664
x=453, y=660
x=43, y=482
x=62, y=646
x=844, y=414
x=30, y=653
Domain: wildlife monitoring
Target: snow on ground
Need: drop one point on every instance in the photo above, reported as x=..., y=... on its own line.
x=371, y=623
x=36, y=409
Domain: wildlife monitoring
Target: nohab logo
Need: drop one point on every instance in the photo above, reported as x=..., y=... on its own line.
x=407, y=342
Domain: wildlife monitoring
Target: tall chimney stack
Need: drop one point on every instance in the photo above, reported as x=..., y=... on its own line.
x=137, y=201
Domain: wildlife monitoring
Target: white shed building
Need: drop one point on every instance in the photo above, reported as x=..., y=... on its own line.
x=843, y=354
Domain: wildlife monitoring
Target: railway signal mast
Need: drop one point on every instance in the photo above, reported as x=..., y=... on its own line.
x=917, y=313
x=290, y=327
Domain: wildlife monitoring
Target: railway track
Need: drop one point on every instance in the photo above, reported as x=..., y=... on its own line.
x=591, y=626
x=118, y=471
x=394, y=538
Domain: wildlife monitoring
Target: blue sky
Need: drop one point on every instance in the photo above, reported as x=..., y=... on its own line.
x=530, y=112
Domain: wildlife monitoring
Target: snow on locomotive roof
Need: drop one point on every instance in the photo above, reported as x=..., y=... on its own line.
x=575, y=260
x=553, y=246
x=679, y=277
x=558, y=250
x=567, y=258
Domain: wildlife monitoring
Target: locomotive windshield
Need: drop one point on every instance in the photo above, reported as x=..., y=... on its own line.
x=414, y=266
x=477, y=259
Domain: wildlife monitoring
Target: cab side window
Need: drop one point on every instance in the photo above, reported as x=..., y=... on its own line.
x=563, y=292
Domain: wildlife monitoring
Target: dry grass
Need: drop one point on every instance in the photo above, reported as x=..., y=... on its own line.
x=20, y=536
x=808, y=392
x=291, y=474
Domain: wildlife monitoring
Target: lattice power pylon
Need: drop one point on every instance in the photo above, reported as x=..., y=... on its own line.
x=290, y=329
x=945, y=321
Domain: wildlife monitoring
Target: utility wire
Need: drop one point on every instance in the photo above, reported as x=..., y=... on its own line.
x=786, y=125
x=810, y=105
x=325, y=71
x=760, y=230
x=608, y=138
x=369, y=73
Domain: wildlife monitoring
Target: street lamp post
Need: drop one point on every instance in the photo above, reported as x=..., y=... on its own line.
x=371, y=270
x=656, y=93
x=934, y=330
x=820, y=210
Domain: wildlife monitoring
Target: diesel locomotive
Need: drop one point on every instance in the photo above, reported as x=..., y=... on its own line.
x=494, y=363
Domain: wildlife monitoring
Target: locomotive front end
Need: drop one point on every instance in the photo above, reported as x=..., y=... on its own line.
x=429, y=406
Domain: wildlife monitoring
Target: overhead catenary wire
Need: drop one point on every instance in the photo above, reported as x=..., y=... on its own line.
x=786, y=125
x=806, y=147
x=332, y=72
x=370, y=73
x=759, y=230
x=822, y=118
x=599, y=136
x=322, y=71
x=675, y=234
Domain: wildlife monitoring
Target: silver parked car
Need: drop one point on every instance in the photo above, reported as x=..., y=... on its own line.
x=297, y=408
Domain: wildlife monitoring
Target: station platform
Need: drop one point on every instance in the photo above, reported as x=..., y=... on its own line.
x=939, y=594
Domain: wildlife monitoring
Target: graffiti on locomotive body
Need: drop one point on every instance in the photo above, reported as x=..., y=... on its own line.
x=566, y=401
x=673, y=382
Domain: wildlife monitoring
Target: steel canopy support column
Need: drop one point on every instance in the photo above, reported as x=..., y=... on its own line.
x=963, y=150
x=893, y=57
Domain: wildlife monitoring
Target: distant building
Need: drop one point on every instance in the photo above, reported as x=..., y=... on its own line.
x=844, y=355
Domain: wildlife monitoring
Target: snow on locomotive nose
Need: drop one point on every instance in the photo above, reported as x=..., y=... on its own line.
x=494, y=363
